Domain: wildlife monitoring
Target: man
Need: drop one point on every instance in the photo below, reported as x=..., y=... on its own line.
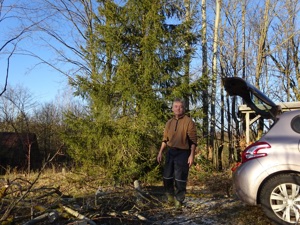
x=180, y=139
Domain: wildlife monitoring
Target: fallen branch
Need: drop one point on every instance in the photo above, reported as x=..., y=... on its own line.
x=140, y=217
x=51, y=216
x=78, y=215
x=142, y=195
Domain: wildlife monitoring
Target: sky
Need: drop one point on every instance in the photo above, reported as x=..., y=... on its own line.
x=43, y=82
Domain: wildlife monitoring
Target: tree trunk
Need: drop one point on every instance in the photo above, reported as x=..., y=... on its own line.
x=204, y=82
x=214, y=75
x=187, y=57
x=261, y=56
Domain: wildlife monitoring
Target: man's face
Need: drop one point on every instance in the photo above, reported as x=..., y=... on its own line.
x=178, y=109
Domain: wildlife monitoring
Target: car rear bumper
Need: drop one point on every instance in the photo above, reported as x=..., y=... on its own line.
x=246, y=181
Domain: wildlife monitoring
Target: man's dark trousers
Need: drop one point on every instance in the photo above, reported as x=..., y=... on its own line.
x=176, y=171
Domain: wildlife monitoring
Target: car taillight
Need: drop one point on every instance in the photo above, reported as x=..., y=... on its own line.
x=254, y=151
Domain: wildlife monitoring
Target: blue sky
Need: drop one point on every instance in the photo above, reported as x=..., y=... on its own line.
x=43, y=82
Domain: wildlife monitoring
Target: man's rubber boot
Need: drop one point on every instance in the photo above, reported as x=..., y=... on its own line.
x=178, y=204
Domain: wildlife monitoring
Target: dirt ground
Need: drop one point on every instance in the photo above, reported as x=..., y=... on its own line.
x=210, y=208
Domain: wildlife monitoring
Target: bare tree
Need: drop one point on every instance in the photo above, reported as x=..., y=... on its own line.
x=62, y=33
x=283, y=51
x=15, y=107
x=14, y=29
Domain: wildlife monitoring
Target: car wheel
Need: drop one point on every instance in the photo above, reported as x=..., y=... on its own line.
x=280, y=199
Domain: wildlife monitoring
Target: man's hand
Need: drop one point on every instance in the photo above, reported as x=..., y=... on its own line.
x=192, y=155
x=191, y=160
x=159, y=157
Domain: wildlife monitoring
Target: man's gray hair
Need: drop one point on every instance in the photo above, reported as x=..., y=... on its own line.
x=181, y=101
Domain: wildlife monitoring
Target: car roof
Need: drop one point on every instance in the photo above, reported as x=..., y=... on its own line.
x=252, y=96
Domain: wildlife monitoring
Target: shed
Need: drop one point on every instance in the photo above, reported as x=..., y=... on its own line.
x=17, y=148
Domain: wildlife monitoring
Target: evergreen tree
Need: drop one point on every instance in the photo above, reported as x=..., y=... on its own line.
x=135, y=63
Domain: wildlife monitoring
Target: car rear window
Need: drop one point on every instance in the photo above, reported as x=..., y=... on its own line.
x=295, y=124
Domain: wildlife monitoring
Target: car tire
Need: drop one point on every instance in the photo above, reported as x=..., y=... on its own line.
x=280, y=199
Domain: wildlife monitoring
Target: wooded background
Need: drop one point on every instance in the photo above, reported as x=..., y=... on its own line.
x=127, y=61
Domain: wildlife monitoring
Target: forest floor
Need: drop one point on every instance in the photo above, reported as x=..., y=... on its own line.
x=61, y=199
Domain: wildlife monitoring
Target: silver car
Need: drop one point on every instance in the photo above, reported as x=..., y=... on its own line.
x=269, y=173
